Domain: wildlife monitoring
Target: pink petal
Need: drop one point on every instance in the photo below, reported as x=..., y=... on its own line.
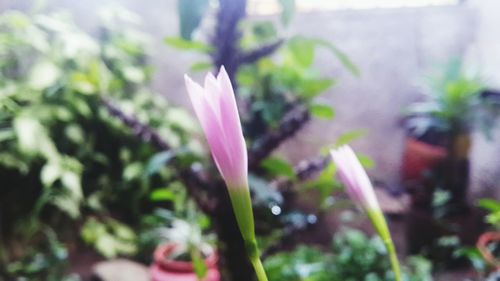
x=231, y=120
x=211, y=127
x=352, y=174
x=215, y=107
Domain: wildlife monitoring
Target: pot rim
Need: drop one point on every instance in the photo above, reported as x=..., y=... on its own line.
x=161, y=259
x=482, y=245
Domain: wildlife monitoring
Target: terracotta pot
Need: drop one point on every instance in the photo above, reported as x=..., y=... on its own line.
x=482, y=244
x=420, y=162
x=420, y=157
x=166, y=269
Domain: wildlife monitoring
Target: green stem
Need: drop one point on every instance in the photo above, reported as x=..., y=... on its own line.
x=242, y=207
x=379, y=223
x=254, y=257
x=259, y=269
x=393, y=258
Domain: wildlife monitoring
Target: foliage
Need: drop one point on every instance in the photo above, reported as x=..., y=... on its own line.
x=454, y=102
x=352, y=256
x=70, y=164
x=34, y=266
x=188, y=234
x=475, y=256
x=274, y=85
x=493, y=207
x=270, y=87
x=110, y=237
x=63, y=157
x=190, y=15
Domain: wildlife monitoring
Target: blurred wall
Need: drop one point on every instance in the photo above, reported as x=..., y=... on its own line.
x=391, y=47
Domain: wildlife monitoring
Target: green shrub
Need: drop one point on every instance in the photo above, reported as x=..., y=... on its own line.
x=65, y=161
x=352, y=257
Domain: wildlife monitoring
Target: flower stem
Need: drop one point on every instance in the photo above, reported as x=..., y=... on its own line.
x=259, y=269
x=393, y=258
x=379, y=223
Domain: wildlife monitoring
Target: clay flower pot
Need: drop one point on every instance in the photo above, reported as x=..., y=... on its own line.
x=482, y=244
x=166, y=269
x=420, y=157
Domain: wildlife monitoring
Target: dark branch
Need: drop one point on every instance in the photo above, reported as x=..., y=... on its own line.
x=305, y=170
x=227, y=36
x=193, y=181
x=290, y=125
x=144, y=132
x=263, y=51
x=308, y=168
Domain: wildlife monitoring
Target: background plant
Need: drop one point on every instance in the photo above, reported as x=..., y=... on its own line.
x=66, y=160
x=351, y=256
x=455, y=102
x=276, y=84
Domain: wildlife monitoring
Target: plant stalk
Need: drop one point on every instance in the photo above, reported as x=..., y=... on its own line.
x=391, y=250
x=379, y=223
x=259, y=269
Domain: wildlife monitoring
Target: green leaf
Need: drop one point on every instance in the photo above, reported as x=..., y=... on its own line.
x=322, y=111
x=350, y=136
x=75, y=133
x=67, y=204
x=311, y=88
x=190, y=15
x=200, y=66
x=301, y=51
x=134, y=74
x=278, y=167
x=33, y=138
x=288, y=10
x=325, y=183
x=491, y=205
x=162, y=194
x=341, y=56
x=50, y=173
x=199, y=266
x=133, y=171
x=82, y=83
x=43, y=75
x=105, y=244
x=158, y=161
x=71, y=182
x=183, y=44
x=365, y=161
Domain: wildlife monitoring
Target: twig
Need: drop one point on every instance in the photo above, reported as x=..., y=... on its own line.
x=190, y=178
x=263, y=51
x=289, y=126
x=307, y=168
x=227, y=36
x=141, y=130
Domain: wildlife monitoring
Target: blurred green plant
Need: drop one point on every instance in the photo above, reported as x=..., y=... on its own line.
x=34, y=266
x=352, y=257
x=64, y=159
x=455, y=102
x=493, y=208
x=183, y=226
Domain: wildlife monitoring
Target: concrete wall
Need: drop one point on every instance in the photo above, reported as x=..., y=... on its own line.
x=391, y=47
